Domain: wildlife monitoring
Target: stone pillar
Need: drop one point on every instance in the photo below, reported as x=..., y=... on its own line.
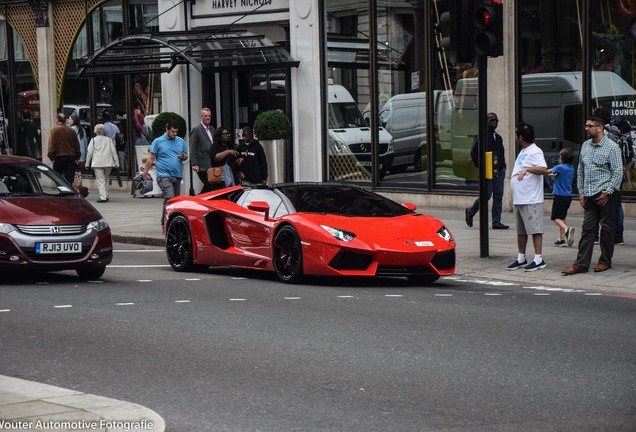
x=46, y=70
x=304, y=26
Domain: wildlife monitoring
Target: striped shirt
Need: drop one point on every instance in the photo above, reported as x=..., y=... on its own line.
x=600, y=167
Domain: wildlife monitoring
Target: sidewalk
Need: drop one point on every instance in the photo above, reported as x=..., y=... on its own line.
x=137, y=220
x=30, y=406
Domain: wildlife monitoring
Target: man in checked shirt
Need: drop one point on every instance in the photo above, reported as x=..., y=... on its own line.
x=599, y=176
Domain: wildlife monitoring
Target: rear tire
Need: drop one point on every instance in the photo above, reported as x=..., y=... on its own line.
x=288, y=255
x=179, y=245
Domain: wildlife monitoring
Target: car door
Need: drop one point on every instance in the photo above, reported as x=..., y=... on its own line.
x=250, y=234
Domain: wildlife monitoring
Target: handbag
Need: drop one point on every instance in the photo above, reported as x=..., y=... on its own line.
x=215, y=175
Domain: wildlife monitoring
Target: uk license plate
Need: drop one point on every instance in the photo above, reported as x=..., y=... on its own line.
x=58, y=247
x=367, y=164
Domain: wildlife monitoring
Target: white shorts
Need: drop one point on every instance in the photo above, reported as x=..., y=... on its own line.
x=529, y=218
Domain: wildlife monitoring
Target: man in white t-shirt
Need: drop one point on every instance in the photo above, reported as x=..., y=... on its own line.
x=526, y=184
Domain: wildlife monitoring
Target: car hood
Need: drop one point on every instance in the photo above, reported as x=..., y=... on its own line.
x=412, y=225
x=36, y=210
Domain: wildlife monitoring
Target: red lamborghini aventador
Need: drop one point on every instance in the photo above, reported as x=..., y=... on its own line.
x=298, y=229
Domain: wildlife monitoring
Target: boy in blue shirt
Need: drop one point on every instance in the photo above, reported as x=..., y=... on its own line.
x=563, y=173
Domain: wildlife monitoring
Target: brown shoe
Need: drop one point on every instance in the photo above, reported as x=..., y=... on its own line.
x=601, y=268
x=574, y=269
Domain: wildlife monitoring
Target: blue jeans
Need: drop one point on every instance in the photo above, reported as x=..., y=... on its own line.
x=620, y=216
x=495, y=189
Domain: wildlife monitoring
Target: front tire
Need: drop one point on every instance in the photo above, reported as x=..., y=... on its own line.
x=179, y=245
x=422, y=280
x=90, y=273
x=288, y=255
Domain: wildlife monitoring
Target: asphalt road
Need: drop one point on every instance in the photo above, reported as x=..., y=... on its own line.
x=230, y=350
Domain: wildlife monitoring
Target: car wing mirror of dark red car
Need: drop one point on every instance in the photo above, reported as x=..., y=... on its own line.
x=259, y=206
x=410, y=206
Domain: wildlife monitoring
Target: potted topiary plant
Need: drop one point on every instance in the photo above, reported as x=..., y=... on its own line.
x=159, y=124
x=272, y=125
x=273, y=129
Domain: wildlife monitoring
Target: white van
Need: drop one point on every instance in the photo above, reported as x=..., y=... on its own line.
x=552, y=103
x=350, y=135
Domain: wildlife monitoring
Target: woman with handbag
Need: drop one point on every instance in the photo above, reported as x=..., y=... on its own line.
x=102, y=158
x=221, y=174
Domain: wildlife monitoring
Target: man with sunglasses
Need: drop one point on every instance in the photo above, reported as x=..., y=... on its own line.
x=599, y=175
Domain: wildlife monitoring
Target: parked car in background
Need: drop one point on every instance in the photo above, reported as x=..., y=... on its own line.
x=298, y=229
x=404, y=117
x=45, y=225
x=84, y=114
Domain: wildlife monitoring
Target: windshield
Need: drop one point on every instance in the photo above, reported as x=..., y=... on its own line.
x=341, y=200
x=26, y=180
x=345, y=115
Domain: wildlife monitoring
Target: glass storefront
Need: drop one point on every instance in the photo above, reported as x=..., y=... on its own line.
x=20, y=134
x=123, y=97
x=389, y=54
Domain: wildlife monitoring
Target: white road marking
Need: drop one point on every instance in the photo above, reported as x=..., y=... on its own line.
x=393, y=295
x=593, y=294
x=193, y=279
x=480, y=281
x=63, y=306
x=493, y=294
x=291, y=298
x=238, y=299
x=346, y=296
x=238, y=278
x=542, y=294
x=144, y=280
x=138, y=250
x=124, y=304
x=443, y=295
x=548, y=288
x=5, y=310
x=182, y=301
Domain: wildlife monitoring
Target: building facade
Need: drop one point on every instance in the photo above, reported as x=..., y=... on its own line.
x=372, y=91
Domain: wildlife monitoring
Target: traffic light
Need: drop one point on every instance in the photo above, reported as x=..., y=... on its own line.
x=458, y=41
x=489, y=30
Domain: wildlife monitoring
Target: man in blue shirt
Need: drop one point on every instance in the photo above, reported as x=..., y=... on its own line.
x=599, y=176
x=168, y=152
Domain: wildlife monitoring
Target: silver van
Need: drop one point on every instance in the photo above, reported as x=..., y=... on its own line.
x=404, y=117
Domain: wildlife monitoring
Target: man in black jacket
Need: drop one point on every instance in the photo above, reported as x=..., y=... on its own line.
x=496, y=186
x=251, y=161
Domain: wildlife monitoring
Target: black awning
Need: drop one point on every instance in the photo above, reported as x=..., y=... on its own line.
x=161, y=52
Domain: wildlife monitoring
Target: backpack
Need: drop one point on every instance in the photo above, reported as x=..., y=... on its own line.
x=620, y=132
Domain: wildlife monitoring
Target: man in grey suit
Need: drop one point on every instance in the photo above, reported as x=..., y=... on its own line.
x=200, y=146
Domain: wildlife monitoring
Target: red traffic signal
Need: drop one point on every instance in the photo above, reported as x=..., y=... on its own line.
x=489, y=30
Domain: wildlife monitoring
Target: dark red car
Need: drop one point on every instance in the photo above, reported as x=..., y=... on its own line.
x=45, y=225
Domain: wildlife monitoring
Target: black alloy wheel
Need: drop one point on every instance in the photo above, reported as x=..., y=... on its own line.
x=288, y=255
x=179, y=245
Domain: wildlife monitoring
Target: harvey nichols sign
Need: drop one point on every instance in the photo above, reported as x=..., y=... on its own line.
x=219, y=12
